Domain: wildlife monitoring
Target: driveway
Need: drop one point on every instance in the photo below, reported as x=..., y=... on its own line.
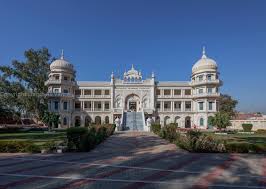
x=131, y=160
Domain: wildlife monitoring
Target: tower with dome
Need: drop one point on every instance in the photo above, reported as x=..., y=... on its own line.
x=134, y=102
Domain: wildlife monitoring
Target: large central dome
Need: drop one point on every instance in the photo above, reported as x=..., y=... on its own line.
x=204, y=64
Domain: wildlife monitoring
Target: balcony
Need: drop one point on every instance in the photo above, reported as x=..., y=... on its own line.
x=60, y=95
x=206, y=82
x=203, y=95
x=59, y=82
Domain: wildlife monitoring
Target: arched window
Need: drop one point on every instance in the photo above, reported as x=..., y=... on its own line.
x=98, y=120
x=65, y=121
x=77, y=121
x=106, y=120
x=201, y=122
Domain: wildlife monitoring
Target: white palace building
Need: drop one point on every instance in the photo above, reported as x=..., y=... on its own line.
x=134, y=102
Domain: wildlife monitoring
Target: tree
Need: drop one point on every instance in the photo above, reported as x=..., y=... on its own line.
x=221, y=120
x=29, y=76
x=228, y=105
x=50, y=119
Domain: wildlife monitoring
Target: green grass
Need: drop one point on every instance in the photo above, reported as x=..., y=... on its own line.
x=250, y=138
x=38, y=138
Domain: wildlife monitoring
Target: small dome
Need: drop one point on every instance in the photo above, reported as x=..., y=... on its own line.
x=204, y=64
x=61, y=64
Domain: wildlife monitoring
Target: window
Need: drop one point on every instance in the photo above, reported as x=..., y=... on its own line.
x=177, y=105
x=201, y=78
x=87, y=105
x=65, y=105
x=56, y=105
x=209, y=77
x=77, y=105
x=98, y=92
x=209, y=90
x=200, y=91
x=167, y=92
x=201, y=122
x=56, y=77
x=210, y=106
x=106, y=92
x=106, y=105
x=78, y=92
x=87, y=92
x=99, y=105
x=158, y=92
x=56, y=90
x=188, y=106
x=65, y=78
x=187, y=92
x=158, y=105
x=167, y=105
x=201, y=105
x=177, y=92
x=65, y=91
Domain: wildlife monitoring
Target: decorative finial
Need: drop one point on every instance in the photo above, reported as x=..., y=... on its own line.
x=204, y=52
x=152, y=74
x=62, y=54
x=132, y=67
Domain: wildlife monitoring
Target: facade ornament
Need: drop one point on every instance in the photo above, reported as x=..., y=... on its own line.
x=62, y=54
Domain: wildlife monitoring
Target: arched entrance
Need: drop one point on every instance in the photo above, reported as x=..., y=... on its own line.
x=188, y=122
x=132, y=103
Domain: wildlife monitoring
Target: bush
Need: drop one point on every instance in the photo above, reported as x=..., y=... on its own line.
x=207, y=143
x=74, y=135
x=261, y=131
x=18, y=146
x=237, y=147
x=156, y=128
x=169, y=132
x=50, y=146
x=85, y=139
x=247, y=127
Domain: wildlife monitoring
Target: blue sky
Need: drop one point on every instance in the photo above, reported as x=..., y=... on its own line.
x=163, y=36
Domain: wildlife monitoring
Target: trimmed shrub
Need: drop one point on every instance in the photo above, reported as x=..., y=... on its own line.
x=169, y=132
x=261, y=131
x=74, y=135
x=85, y=139
x=237, y=147
x=207, y=143
x=247, y=127
x=18, y=146
x=156, y=128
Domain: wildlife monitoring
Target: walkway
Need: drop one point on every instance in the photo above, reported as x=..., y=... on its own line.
x=131, y=160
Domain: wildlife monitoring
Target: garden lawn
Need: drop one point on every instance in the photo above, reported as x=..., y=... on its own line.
x=249, y=138
x=38, y=138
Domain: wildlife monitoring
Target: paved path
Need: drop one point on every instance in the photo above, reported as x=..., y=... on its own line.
x=131, y=160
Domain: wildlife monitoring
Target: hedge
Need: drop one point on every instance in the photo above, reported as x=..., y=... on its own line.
x=196, y=141
x=84, y=139
x=247, y=127
x=18, y=146
x=156, y=128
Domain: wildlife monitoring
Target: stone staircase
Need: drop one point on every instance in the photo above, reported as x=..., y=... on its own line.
x=133, y=121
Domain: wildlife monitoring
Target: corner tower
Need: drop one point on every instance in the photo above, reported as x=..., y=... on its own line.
x=61, y=87
x=205, y=83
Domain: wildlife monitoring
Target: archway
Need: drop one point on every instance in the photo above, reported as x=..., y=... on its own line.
x=106, y=120
x=98, y=120
x=178, y=121
x=188, y=122
x=157, y=120
x=167, y=120
x=132, y=103
x=88, y=121
x=77, y=121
